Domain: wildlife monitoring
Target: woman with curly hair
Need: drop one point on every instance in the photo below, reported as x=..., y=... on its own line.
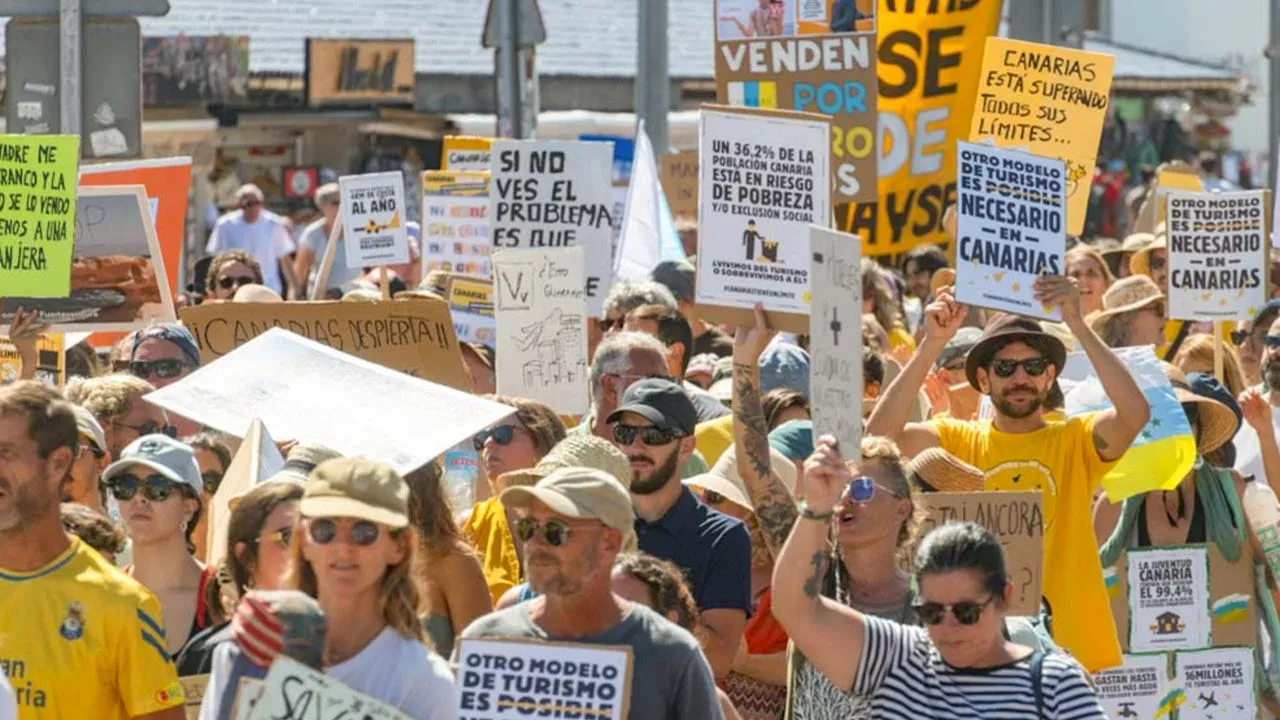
x=878, y=301
x=229, y=271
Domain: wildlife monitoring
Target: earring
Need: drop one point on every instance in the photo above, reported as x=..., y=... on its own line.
x=183, y=526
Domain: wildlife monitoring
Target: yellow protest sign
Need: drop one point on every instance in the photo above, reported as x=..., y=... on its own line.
x=927, y=65
x=1052, y=101
x=462, y=153
x=50, y=367
x=37, y=213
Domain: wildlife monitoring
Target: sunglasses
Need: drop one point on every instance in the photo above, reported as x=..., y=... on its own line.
x=211, y=479
x=156, y=488
x=966, y=612
x=955, y=365
x=150, y=427
x=1035, y=367
x=164, y=369
x=283, y=536
x=554, y=532
x=325, y=530
x=502, y=435
x=862, y=489
x=97, y=454
x=649, y=435
x=1156, y=263
x=1271, y=341
x=228, y=282
x=1239, y=337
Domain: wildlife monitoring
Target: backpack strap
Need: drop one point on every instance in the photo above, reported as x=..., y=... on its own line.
x=1183, y=331
x=1037, y=672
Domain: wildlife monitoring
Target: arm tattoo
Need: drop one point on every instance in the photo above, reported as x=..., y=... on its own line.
x=774, y=506
x=813, y=585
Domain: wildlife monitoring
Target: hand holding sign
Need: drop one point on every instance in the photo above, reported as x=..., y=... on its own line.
x=944, y=316
x=825, y=475
x=749, y=342
x=1062, y=292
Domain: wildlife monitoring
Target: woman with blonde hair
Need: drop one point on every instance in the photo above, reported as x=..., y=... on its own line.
x=354, y=551
x=1196, y=356
x=878, y=301
x=1092, y=275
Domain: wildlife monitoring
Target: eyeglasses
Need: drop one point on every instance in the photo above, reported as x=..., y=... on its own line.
x=502, y=435
x=283, y=536
x=966, y=612
x=150, y=427
x=227, y=282
x=554, y=532
x=862, y=489
x=164, y=369
x=325, y=530
x=156, y=488
x=649, y=435
x=212, y=479
x=1035, y=367
x=1271, y=341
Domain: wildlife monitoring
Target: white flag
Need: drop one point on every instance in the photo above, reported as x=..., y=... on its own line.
x=644, y=242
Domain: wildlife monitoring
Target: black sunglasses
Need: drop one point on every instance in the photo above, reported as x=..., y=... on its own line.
x=324, y=530
x=150, y=427
x=554, y=532
x=212, y=479
x=1035, y=367
x=227, y=282
x=1156, y=263
x=966, y=612
x=503, y=435
x=649, y=435
x=156, y=488
x=1239, y=337
x=164, y=369
x=1271, y=341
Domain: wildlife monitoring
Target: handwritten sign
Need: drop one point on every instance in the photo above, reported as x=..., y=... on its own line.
x=1168, y=599
x=50, y=366
x=680, y=183
x=1219, y=683
x=373, y=219
x=511, y=680
x=556, y=194
x=542, y=327
x=415, y=336
x=1052, y=100
x=1010, y=228
x=471, y=303
x=835, y=335
x=293, y=691
x=1016, y=518
x=1135, y=689
x=37, y=208
x=1217, y=255
x=463, y=153
x=455, y=221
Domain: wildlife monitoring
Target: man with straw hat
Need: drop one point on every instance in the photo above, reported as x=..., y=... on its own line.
x=1152, y=260
x=1132, y=314
x=1016, y=363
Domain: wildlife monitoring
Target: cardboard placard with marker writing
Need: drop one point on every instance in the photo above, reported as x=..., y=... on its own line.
x=680, y=183
x=835, y=335
x=37, y=213
x=293, y=690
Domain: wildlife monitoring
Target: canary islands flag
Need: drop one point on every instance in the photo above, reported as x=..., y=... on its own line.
x=1164, y=451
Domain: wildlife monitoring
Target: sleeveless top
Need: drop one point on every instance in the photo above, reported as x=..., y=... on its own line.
x=203, y=617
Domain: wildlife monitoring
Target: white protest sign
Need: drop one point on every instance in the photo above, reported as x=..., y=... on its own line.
x=1168, y=599
x=512, y=680
x=763, y=180
x=257, y=460
x=1010, y=228
x=293, y=691
x=303, y=389
x=1135, y=689
x=556, y=194
x=1217, y=255
x=835, y=335
x=1219, y=683
x=455, y=225
x=541, y=313
x=373, y=219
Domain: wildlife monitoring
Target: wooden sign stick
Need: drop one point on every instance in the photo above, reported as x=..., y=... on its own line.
x=326, y=263
x=383, y=282
x=1218, y=352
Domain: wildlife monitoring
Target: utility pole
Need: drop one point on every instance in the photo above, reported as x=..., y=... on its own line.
x=69, y=32
x=511, y=67
x=513, y=29
x=653, y=84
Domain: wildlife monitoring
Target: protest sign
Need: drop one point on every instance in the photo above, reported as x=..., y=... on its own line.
x=1218, y=255
x=1152, y=212
x=302, y=389
x=542, y=327
x=413, y=335
x=37, y=209
x=461, y=469
x=118, y=275
x=256, y=460
x=293, y=691
x=835, y=335
x=512, y=679
x=680, y=183
x=799, y=57
x=556, y=194
x=927, y=64
x=1017, y=520
x=1135, y=689
x=462, y=153
x=247, y=695
x=1010, y=229
x=471, y=304
x=1051, y=100
x=50, y=367
x=1219, y=683
x=373, y=219
x=455, y=227
x=193, y=687
x=764, y=182
x=1168, y=599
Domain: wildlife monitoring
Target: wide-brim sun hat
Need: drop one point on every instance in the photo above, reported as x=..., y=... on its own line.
x=1004, y=329
x=1125, y=296
x=1218, y=422
x=944, y=472
x=1140, y=260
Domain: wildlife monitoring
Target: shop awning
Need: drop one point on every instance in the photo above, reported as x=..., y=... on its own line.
x=1144, y=70
x=682, y=126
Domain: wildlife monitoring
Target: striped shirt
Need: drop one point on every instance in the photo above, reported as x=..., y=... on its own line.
x=904, y=677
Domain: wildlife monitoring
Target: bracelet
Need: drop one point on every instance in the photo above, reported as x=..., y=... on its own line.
x=808, y=514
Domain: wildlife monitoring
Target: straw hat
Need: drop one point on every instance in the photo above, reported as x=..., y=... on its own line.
x=940, y=471
x=1218, y=423
x=586, y=451
x=1133, y=242
x=1106, y=245
x=1125, y=296
x=725, y=479
x=1140, y=260
x=361, y=294
x=1004, y=329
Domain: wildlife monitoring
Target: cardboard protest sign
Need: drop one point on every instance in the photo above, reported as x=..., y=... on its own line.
x=50, y=368
x=1135, y=689
x=246, y=697
x=542, y=327
x=293, y=690
x=1010, y=229
x=556, y=194
x=1052, y=100
x=373, y=219
x=302, y=389
x=1168, y=599
x=680, y=183
x=471, y=304
x=118, y=275
x=462, y=153
x=1219, y=683
x=1016, y=518
x=1218, y=255
x=256, y=460
x=37, y=209
x=512, y=679
x=412, y=335
x=1171, y=176
x=835, y=335
x=763, y=182
x=455, y=227
x=193, y=688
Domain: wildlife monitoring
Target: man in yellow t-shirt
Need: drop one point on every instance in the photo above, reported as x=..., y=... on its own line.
x=1016, y=363
x=78, y=637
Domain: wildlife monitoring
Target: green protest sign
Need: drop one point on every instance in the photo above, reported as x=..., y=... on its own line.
x=37, y=213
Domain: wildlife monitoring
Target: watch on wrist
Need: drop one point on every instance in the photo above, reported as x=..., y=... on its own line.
x=807, y=513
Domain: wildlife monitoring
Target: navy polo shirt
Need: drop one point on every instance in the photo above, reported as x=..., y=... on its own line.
x=713, y=550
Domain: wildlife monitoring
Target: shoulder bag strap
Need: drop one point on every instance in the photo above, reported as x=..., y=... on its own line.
x=1183, y=331
x=1037, y=672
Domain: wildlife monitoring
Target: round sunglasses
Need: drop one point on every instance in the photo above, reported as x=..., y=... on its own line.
x=502, y=435
x=554, y=532
x=226, y=282
x=325, y=530
x=966, y=612
x=156, y=488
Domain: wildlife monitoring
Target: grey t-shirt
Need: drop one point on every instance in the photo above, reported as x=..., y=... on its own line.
x=315, y=239
x=670, y=678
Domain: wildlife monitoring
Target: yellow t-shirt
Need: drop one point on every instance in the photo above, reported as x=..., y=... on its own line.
x=488, y=533
x=1060, y=461
x=899, y=337
x=80, y=639
x=714, y=437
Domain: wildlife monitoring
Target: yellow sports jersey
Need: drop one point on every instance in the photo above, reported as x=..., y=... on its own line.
x=80, y=639
x=714, y=437
x=1060, y=461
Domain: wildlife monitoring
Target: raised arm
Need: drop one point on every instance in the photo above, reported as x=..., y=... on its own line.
x=1257, y=412
x=24, y=335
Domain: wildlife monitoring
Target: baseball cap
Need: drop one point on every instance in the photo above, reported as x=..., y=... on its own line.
x=677, y=276
x=174, y=333
x=784, y=365
x=90, y=429
x=661, y=402
x=580, y=451
x=303, y=458
x=579, y=493
x=959, y=346
x=357, y=488
x=161, y=453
